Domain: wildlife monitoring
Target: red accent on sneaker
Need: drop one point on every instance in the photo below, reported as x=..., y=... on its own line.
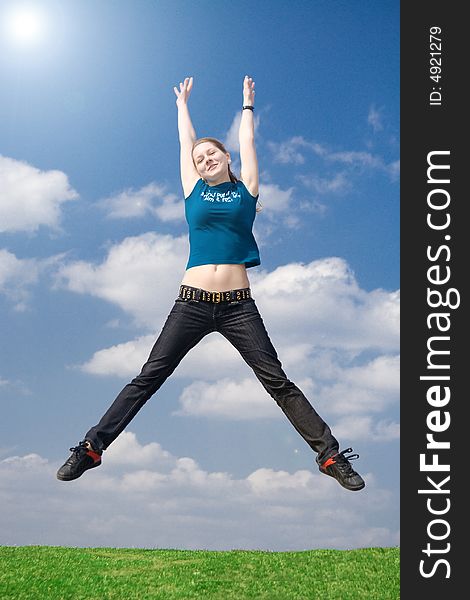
x=328, y=462
x=94, y=455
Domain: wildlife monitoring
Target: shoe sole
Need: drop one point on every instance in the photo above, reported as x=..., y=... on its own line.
x=71, y=478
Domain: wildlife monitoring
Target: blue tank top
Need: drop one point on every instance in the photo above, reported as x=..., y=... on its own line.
x=220, y=220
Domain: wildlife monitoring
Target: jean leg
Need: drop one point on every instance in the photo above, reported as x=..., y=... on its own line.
x=185, y=326
x=245, y=330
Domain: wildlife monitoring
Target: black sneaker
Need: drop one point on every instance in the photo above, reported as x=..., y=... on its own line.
x=83, y=457
x=339, y=467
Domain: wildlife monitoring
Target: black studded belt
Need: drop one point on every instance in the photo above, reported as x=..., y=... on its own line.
x=191, y=293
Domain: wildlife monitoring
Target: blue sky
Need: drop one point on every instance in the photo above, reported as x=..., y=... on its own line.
x=93, y=246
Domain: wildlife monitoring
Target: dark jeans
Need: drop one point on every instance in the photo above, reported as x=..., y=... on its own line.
x=240, y=322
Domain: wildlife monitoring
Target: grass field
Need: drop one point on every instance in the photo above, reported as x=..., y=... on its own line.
x=53, y=573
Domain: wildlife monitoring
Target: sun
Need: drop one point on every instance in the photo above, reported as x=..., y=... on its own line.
x=24, y=25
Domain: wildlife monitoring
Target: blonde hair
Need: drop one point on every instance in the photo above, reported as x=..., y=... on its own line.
x=223, y=149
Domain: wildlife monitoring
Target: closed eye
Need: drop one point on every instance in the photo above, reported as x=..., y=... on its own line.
x=199, y=159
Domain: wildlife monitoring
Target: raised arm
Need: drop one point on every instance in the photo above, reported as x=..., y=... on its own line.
x=187, y=136
x=248, y=159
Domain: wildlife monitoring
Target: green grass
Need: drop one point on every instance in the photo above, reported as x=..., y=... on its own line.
x=53, y=573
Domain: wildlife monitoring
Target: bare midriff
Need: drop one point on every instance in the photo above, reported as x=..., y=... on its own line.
x=217, y=278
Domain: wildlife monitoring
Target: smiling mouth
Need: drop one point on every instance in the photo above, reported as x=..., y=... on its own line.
x=212, y=167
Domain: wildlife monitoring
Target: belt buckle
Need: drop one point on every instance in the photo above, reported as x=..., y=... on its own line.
x=217, y=297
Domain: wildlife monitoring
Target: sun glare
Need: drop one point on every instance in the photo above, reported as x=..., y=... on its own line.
x=24, y=25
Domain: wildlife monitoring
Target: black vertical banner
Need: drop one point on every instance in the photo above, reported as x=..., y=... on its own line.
x=434, y=299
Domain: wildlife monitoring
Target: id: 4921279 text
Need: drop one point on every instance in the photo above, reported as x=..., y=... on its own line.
x=435, y=65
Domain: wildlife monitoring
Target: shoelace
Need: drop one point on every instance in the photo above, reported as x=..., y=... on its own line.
x=343, y=463
x=77, y=450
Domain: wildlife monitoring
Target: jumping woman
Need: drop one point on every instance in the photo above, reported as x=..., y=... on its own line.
x=215, y=295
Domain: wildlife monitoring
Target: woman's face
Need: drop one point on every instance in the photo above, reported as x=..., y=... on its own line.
x=211, y=163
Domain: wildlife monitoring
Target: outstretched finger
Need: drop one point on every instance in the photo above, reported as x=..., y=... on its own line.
x=248, y=82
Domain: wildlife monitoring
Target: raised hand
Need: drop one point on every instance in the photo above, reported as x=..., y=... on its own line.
x=248, y=91
x=183, y=93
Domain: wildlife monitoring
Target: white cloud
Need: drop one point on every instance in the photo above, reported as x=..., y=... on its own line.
x=231, y=142
x=141, y=275
x=374, y=119
x=16, y=278
x=282, y=207
x=288, y=152
x=321, y=302
x=16, y=388
x=362, y=160
x=19, y=275
x=125, y=358
x=143, y=496
x=394, y=169
x=24, y=270
x=31, y=198
x=339, y=182
x=365, y=160
x=151, y=199
x=243, y=400
x=275, y=200
x=231, y=139
x=129, y=453
x=381, y=374
x=360, y=428
x=264, y=481
x=371, y=388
